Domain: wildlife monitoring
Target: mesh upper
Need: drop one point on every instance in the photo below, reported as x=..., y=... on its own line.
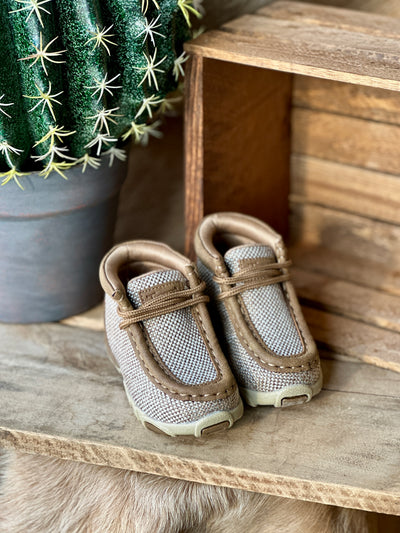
x=248, y=372
x=175, y=336
x=267, y=306
x=145, y=395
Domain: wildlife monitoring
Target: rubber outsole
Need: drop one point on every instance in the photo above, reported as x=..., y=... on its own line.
x=211, y=423
x=291, y=395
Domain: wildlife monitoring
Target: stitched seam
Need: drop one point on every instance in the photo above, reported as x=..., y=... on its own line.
x=251, y=326
x=292, y=312
x=149, y=292
x=157, y=357
x=209, y=347
x=166, y=388
x=247, y=346
x=282, y=257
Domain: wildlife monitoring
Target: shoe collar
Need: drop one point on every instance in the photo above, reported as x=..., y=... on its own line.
x=140, y=252
x=244, y=228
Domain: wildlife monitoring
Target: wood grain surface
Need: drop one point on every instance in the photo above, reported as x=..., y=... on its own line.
x=246, y=141
x=347, y=140
x=333, y=17
x=342, y=335
x=82, y=414
x=347, y=99
x=377, y=243
x=333, y=44
x=332, y=184
x=237, y=143
x=351, y=300
x=194, y=150
x=347, y=266
x=384, y=7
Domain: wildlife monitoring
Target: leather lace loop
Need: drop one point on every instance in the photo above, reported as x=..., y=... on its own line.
x=252, y=278
x=164, y=304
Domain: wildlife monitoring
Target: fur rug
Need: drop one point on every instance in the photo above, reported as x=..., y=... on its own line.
x=45, y=495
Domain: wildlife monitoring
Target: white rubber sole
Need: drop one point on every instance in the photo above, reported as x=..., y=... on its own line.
x=291, y=395
x=199, y=428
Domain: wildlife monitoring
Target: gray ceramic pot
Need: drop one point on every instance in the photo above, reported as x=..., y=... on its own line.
x=52, y=238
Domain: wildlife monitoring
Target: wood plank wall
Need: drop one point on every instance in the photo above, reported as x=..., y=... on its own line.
x=345, y=215
x=346, y=150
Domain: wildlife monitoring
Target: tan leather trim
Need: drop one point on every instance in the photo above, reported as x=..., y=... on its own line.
x=156, y=356
x=264, y=358
x=250, y=324
x=214, y=390
x=246, y=263
x=154, y=253
x=148, y=294
x=131, y=252
x=235, y=223
x=210, y=340
x=258, y=261
x=205, y=328
x=257, y=232
x=256, y=334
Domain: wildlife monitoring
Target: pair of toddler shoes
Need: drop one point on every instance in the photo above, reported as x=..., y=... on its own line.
x=185, y=374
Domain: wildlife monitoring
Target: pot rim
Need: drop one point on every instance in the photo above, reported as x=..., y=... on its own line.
x=46, y=197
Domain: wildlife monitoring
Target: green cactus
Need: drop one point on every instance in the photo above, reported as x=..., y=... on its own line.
x=79, y=77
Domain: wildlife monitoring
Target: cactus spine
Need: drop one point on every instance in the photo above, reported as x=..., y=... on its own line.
x=77, y=77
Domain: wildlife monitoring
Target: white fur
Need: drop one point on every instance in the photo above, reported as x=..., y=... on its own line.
x=44, y=495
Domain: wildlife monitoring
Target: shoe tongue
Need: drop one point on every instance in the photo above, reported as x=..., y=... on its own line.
x=240, y=257
x=266, y=306
x=142, y=288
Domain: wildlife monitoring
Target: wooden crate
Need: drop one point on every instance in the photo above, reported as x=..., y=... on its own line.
x=296, y=108
x=247, y=110
x=61, y=397
x=293, y=116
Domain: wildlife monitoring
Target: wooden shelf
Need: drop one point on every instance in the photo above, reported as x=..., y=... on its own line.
x=61, y=397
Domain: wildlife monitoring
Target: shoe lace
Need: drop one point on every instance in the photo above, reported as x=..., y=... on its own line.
x=252, y=278
x=164, y=304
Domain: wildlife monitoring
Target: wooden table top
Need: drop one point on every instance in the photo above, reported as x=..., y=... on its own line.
x=60, y=396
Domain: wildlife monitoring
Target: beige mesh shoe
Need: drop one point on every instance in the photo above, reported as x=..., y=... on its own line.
x=261, y=327
x=161, y=339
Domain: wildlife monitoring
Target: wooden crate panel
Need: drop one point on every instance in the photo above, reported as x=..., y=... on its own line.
x=348, y=140
x=249, y=112
x=347, y=99
x=345, y=265
x=386, y=7
x=343, y=335
x=362, y=50
x=378, y=243
x=335, y=18
x=82, y=414
x=348, y=188
x=236, y=109
x=348, y=299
